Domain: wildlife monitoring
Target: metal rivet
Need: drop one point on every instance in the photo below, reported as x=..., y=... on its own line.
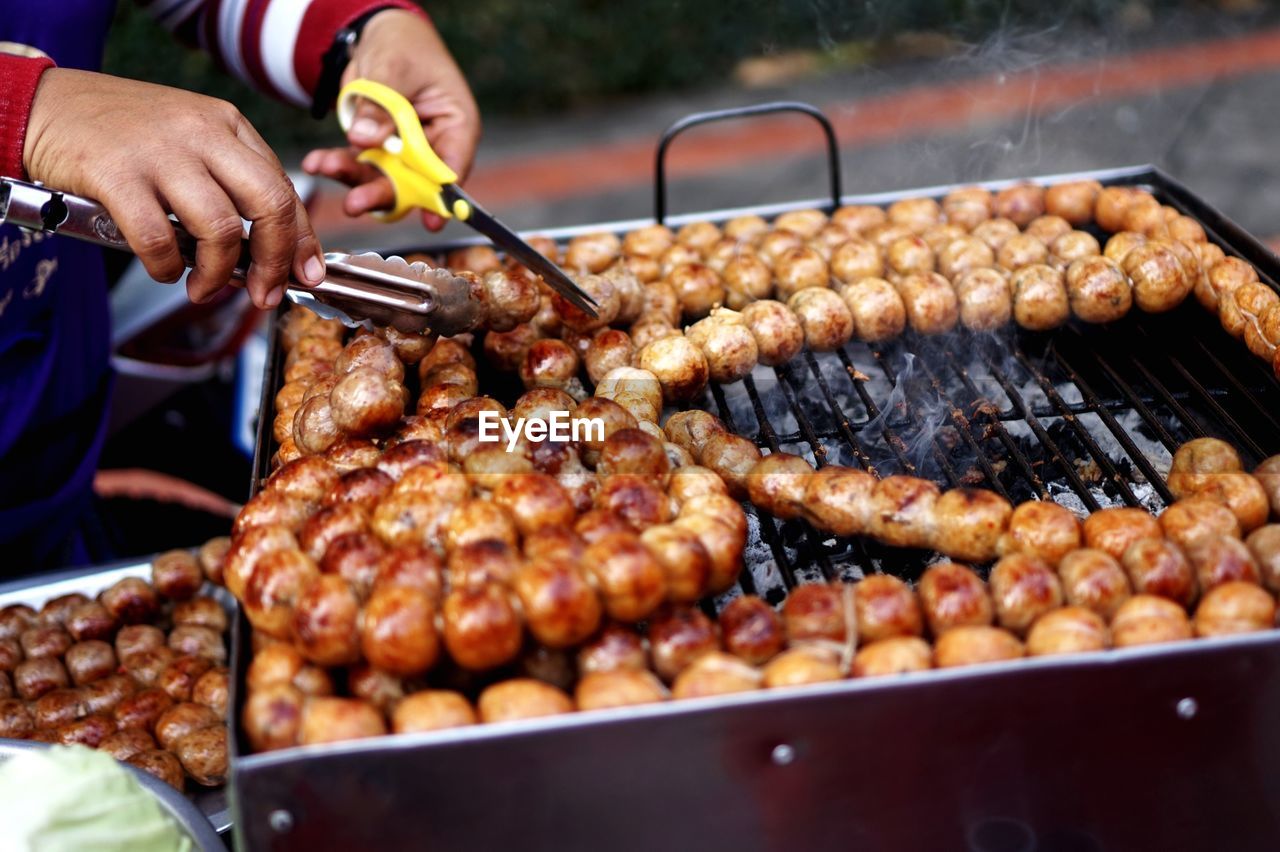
x=1187, y=708
x=281, y=821
x=783, y=754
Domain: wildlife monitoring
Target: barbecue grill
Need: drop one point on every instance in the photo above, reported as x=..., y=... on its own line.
x=1161, y=747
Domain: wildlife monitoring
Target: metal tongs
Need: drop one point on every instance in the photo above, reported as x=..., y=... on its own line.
x=358, y=289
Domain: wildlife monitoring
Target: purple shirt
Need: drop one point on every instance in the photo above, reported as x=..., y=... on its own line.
x=55, y=376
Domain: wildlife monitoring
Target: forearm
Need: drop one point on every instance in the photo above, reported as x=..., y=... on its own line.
x=19, y=77
x=275, y=46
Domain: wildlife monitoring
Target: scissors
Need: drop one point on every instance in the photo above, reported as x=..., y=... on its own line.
x=420, y=179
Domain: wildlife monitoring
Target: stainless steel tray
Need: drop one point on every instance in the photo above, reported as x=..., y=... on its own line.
x=90, y=580
x=1169, y=747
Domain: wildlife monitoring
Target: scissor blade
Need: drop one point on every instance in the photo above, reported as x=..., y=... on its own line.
x=509, y=241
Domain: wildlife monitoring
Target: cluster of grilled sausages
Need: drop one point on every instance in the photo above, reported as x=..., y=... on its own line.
x=139, y=672
x=756, y=293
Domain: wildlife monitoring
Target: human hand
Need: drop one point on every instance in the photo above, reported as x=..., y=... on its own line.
x=402, y=50
x=145, y=151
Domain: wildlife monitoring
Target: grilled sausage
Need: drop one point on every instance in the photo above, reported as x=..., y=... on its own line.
x=328, y=720
x=200, y=641
x=901, y=511
x=44, y=641
x=1222, y=559
x=481, y=627
x=804, y=665
x=272, y=716
x=1098, y=289
x=678, y=636
x=616, y=647
x=877, y=309
x=176, y=575
x=1094, y=580
x=964, y=254
x=90, y=660
x=55, y=612
x=1021, y=250
x=751, y=630
x=146, y=667
x=618, y=688
x=1040, y=299
x=212, y=690
x=202, y=612
x=1191, y=519
x=1147, y=619
x=15, y=619
x=684, y=560
x=1113, y=530
x=123, y=745
x=136, y=638
x=822, y=612
x=1041, y=528
x=1160, y=567
x=1069, y=630
x=160, y=764
x=1023, y=588
x=431, y=710
x=131, y=601
x=930, y=302
x=203, y=755
x=899, y=655
x=1241, y=493
x=522, y=698
x=951, y=596
x=559, y=605
x=34, y=678
x=974, y=644
x=1160, y=282
x=180, y=720
x=16, y=721
x=89, y=731
x=180, y=676
x=969, y=523
x=985, y=300
x=1264, y=544
x=778, y=332
x=103, y=696
x=1073, y=201
x=884, y=607
x=142, y=709
x=716, y=673
x=1235, y=607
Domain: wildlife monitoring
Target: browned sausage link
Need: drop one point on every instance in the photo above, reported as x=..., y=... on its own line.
x=180, y=676
x=89, y=731
x=89, y=661
x=124, y=744
x=885, y=607
x=951, y=596
x=752, y=630
x=161, y=764
x=131, y=601
x=34, y=678
x=678, y=635
x=136, y=638
x=16, y=720
x=56, y=611
x=1023, y=588
x=176, y=575
x=616, y=647
x=203, y=754
x=90, y=621
x=212, y=690
x=204, y=612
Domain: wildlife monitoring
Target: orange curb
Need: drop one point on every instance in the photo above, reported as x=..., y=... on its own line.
x=594, y=169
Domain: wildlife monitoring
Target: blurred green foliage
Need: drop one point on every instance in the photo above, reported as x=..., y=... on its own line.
x=537, y=55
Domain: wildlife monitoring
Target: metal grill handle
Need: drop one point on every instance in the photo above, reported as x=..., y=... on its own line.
x=697, y=118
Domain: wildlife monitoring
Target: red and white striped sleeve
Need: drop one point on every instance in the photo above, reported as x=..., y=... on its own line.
x=274, y=45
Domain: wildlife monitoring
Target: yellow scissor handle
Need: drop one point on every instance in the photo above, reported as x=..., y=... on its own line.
x=416, y=172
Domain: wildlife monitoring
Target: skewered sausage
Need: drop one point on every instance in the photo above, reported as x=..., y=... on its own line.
x=1073, y=201
x=559, y=605
x=963, y=255
x=123, y=745
x=1235, y=607
x=984, y=298
x=1160, y=282
x=876, y=308
x=727, y=344
x=901, y=511
x=969, y=522
x=1241, y=493
x=930, y=302
x=1020, y=203
x=1021, y=250
x=131, y=601
x=777, y=484
x=1040, y=299
x=683, y=558
x=1098, y=289
x=778, y=332
x=1197, y=462
x=630, y=581
x=1041, y=528
x=1069, y=630
x=272, y=716
x=825, y=318
x=46, y=641
x=180, y=720
x=205, y=612
x=212, y=690
x=142, y=709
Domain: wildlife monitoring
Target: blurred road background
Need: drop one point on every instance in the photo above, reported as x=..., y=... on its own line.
x=575, y=94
